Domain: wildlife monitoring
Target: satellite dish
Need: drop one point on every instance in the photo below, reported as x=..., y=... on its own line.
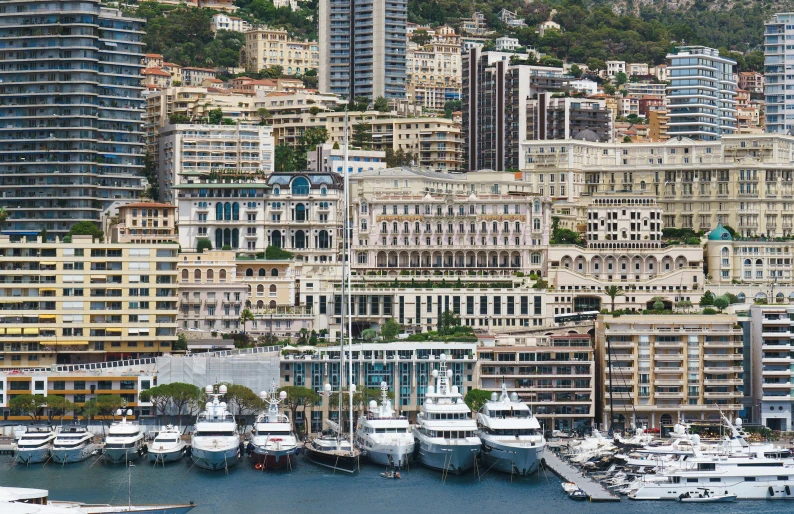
x=282, y=395
x=118, y=412
x=738, y=422
x=222, y=389
x=373, y=404
x=493, y=397
x=208, y=389
x=262, y=395
x=129, y=412
x=327, y=388
x=513, y=397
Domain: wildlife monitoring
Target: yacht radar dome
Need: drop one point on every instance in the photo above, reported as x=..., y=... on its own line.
x=262, y=395
x=443, y=356
x=449, y=373
x=494, y=397
x=222, y=389
x=118, y=412
x=327, y=388
x=454, y=389
x=208, y=389
x=513, y=397
x=373, y=404
x=282, y=395
x=431, y=389
x=435, y=373
x=129, y=412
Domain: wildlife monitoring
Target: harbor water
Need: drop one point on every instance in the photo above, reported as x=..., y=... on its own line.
x=311, y=489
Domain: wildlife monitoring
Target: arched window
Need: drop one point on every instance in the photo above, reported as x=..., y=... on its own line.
x=235, y=238
x=747, y=262
x=363, y=207
x=272, y=289
x=262, y=272
x=275, y=238
x=300, y=239
x=759, y=262
x=260, y=289
x=272, y=304
x=300, y=212
x=725, y=252
x=323, y=239
x=300, y=186
x=197, y=275
x=274, y=272
x=222, y=275
x=227, y=211
x=537, y=206
x=323, y=191
x=227, y=236
x=185, y=275
x=210, y=276
x=219, y=211
x=249, y=272
x=218, y=238
x=276, y=191
x=235, y=211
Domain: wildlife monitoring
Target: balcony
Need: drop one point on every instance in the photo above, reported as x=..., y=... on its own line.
x=724, y=369
x=723, y=382
x=722, y=357
x=668, y=370
x=679, y=394
x=668, y=357
x=727, y=394
x=664, y=383
x=665, y=344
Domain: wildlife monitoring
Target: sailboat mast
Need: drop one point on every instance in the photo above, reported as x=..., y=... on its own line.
x=346, y=277
x=343, y=303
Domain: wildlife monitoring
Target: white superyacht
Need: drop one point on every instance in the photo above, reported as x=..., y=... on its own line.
x=445, y=432
x=512, y=440
x=215, y=444
x=34, y=445
x=124, y=441
x=273, y=444
x=168, y=445
x=384, y=436
x=73, y=444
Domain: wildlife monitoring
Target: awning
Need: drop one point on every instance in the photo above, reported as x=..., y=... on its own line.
x=43, y=289
x=47, y=263
x=13, y=331
x=31, y=331
x=76, y=343
x=113, y=331
x=132, y=331
x=46, y=316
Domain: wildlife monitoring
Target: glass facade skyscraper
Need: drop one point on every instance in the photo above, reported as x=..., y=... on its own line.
x=70, y=112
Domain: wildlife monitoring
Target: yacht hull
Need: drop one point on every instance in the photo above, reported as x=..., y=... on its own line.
x=742, y=490
x=140, y=509
x=274, y=459
x=35, y=456
x=333, y=460
x=162, y=456
x=121, y=455
x=399, y=454
x=215, y=459
x=521, y=460
x=67, y=455
x=453, y=458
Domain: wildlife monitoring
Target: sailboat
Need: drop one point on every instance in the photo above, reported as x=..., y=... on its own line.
x=331, y=449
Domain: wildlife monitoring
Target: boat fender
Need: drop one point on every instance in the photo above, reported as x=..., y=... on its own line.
x=788, y=491
x=771, y=491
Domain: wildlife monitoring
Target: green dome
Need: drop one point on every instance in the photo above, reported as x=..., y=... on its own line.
x=720, y=234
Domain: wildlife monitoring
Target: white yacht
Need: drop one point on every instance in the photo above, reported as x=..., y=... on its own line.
x=124, y=441
x=34, y=445
x=445, y=432
x=168, y=445
x=273, y=443
x=748, y=477
x=215, y=444
x=512, y=440
x=382, y=435
x=73, y=444
x=20, y=500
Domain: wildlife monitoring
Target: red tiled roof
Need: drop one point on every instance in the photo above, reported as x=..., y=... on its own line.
x=155, y=71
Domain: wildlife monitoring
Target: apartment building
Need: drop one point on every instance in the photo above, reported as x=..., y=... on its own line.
x=657, y=369
x=555, y=117
x=623, y=247
x=432, y=142
x=657, y=124
x=223, y=21
x=637, y=68
x=362, y=48
x=407, y=369
x=554, y=375
x=615, y=67
x=777, y=79
x=325, y=158
x=266, y=47
x=203, y=149
x=298, y=212
x=433, y=73
x=144, y=223
x=641, y=89
x=743, y=180
x=771, y=328
x=494, y=97
x=751, y=81
x=73, y=140
x=707, y=109
x=85, y=302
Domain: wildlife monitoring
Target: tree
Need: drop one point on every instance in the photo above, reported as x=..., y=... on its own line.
x=215, y=116
x=362, y=136
x=298, y=396
x=398, y=158
x=58, y=406
x=721, y=302
x=621, y=78
x=476, y=398
x=609, y=88
x=182, y=395
x=245, y=317
x=276, y=253
x=107, y=404
x=421, y=37
x=30, y=404
x=202, y=244
x=243, y=398
x=159, y=396
x=447, y=323
x=575, y=70
x=381, y=104
x=314, y=110
x=303, y=336
x=707, y=299
x=181, y=342
x=285, y=158
x=390, y=329
x=451, y=106
x=658, y=305
x=3, y=216
x=612, y=292
x=730, y=230
x=263, y=115
x=86, y=228
x=369, y=335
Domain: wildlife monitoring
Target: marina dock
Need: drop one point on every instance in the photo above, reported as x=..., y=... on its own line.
x=562, y=469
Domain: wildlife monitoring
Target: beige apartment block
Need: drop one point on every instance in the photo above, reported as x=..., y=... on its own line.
x=657, y=369
x=434, y=73
x=85, y=302
x=145, y=223
x=433, y=142
x=266, y=47
x=744, y=181
x=554, y=375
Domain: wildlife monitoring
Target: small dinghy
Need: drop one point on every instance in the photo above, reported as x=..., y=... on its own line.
x=569, y=487
x=578, y=495
x=391, y=474
x=706, y=496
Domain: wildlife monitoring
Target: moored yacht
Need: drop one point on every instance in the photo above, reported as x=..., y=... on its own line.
x=273, y=443
x=384, y=436
x=124, y=441
x=512, y=440
x=215, y=444
x=168, y=445
x=332, y=450
x=446, y=436
x=22, y=500
x=73, y=444
x=34, y=445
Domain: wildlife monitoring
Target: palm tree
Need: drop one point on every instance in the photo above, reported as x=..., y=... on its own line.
x=246, y=316
x=612, y=292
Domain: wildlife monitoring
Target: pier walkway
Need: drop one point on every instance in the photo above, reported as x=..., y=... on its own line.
x=562, y=469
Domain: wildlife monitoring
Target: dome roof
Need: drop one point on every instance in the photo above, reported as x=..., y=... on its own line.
x=586, y=135
x=720, y=234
